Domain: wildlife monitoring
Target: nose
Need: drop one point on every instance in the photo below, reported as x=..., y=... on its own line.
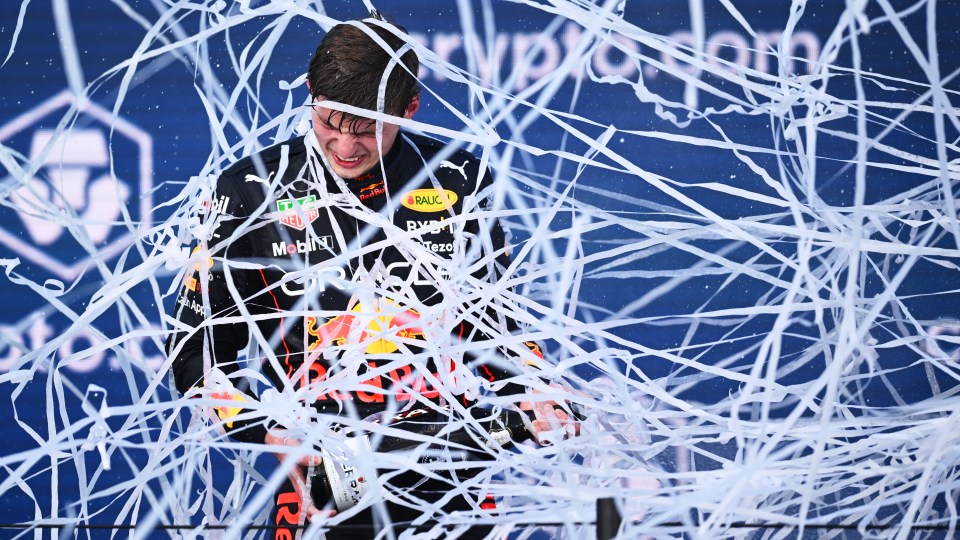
x=346, y=144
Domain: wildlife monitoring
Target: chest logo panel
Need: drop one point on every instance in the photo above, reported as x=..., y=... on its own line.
x=377, y=330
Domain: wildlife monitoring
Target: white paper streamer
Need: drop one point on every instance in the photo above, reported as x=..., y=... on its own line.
x=737, y=334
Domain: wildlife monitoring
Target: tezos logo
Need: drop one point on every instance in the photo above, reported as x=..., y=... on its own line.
x=77, y=182
x=291, y=211
x=429, y=200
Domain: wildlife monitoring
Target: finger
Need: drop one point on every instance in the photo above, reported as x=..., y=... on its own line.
x=544, y=411
x=311, y=460
x=541, y=425
x=300, y=485
x=314, y=513
x=545, y=435
x=299, y=481
x=536, y=427
x=570, y=425
x=552, y=415
x=553, y=426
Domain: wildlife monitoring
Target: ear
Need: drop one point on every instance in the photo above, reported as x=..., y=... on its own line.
x=412, y=108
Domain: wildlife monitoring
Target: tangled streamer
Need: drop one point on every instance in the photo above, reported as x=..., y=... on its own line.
x=738, y=244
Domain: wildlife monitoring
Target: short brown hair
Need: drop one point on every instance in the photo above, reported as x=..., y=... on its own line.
x=348, y=67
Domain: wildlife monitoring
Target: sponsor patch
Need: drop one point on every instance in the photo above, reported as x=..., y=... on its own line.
x=192, y=305
x=438, y=247
x=371, y=191
x=216, y=207
x=429, y=200
x=378, y=332
x=292, y=211
x=431, y=224
x=460, y=168
x=191, y=280
x=537, y=352
x=226, y=412
x=312, y=243
x=315, y=280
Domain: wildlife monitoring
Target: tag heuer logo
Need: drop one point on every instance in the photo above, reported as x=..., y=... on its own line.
x=292, y=211
x=429, y=200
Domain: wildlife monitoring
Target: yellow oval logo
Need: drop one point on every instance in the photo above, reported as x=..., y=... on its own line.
x=429, y=200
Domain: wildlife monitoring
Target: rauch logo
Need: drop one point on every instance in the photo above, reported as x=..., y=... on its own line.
x=429, y=200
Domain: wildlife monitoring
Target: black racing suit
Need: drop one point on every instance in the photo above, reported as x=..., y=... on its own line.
x=380, y=291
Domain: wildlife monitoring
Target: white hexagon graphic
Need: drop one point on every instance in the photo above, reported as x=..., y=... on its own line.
x=75, y=191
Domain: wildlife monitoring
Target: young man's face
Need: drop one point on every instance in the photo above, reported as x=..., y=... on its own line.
x=353, y=151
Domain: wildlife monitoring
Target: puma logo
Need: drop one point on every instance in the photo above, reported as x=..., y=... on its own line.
x=450, y=165
x=255, y=178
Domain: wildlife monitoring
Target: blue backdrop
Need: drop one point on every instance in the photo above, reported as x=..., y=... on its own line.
x=145, y=122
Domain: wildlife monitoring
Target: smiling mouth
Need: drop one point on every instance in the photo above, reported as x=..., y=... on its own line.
x=346, y=160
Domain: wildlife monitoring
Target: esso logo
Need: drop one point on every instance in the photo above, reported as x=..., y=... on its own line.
x=86, y=185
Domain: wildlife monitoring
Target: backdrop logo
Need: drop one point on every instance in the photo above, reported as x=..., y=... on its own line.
x=505, y=57
x=81, y=345
x=75, y=185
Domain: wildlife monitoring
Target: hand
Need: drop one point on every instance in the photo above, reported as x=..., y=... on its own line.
x=552, y=423
x=297, y=474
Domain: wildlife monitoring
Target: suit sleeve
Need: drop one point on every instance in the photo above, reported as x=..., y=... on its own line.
x=203, y=339
x=488, y=235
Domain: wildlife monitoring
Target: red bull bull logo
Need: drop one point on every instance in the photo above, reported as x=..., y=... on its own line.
x=378, y=331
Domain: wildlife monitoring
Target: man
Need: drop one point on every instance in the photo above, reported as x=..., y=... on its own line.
x=363, y=255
